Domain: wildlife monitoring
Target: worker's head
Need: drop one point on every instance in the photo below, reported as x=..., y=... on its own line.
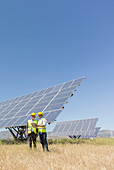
x=40, y=114
x=33, y=115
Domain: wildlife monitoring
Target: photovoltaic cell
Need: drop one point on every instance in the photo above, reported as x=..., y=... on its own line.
x=50, y=101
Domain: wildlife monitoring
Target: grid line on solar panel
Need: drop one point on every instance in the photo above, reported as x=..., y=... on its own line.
x=52, y=98
x=77, y=81
x=52, y=104
x=68, y=89
x=12, y=106
x=55, y=129
x=70, y=127
x=20, y=120
x=29, y=107
x=51, y=117
x=76, y=126
x=32, y=107
x=88, y=124
x=26, y=101
x=57, y=87
x=92, y=124
x=85, y=126
x=53, y=107
x=4, y=121
x=96, y=131
x=72, y=83
x=82, y=126
x=10, y=122
x=4, y=108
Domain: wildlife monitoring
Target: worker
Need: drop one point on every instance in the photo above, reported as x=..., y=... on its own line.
x=42, y=131
x=31, y=130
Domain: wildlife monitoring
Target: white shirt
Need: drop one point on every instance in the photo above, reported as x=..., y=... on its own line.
x=32, y=121
x=43, y=122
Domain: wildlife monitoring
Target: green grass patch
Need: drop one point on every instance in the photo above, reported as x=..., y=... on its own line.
x=96, y=141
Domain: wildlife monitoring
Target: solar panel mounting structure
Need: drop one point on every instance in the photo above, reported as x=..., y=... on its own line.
x=84, y=128
x=15, y=112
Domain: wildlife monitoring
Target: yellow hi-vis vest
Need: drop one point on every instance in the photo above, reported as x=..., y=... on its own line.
x=41, y=129
x=30, y=128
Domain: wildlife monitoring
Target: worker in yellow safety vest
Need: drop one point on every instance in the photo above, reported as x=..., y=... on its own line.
x=42, y=131
x=31, y=130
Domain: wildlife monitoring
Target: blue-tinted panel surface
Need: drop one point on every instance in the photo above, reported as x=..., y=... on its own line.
x=75, y=128
x=50, y=100
x=52, y=115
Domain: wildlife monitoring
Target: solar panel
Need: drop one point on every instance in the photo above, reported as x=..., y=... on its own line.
x=50, y=101
x=96, y=131
x=84, y=128
x=5, y=135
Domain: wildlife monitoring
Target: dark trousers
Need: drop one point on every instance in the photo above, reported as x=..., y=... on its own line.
x=43, y=140
x=32, y=138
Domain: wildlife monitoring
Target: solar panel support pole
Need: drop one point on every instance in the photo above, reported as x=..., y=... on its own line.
x=21, y=133
x=12, y=133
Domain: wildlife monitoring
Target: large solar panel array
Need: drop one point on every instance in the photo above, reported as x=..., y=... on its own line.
x=84, y=128
x=16, y=112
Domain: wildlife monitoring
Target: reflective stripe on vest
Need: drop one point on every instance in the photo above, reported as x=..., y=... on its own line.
x=41, y=129
x=30, y=128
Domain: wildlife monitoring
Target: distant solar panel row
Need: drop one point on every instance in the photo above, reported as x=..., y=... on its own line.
x=96, y=131
x=15, y=112
x=5, y=135
x=85, y=128
x=86, y=134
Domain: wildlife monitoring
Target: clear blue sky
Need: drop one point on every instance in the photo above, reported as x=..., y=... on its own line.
x=43, y=43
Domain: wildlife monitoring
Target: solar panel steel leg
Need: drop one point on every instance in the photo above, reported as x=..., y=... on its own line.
x=12, y=133
x=74, y=136
x=78, y=136
x=70, y=136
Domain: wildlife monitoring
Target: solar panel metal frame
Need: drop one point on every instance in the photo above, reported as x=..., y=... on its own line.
x=12, y=101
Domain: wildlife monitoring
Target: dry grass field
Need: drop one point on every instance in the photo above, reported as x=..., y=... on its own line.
x=97, y=154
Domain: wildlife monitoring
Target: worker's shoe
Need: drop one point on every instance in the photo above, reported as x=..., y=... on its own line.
x=47, y=149
x=43, y=147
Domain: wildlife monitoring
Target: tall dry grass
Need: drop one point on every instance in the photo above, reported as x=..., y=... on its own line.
x=85, y=156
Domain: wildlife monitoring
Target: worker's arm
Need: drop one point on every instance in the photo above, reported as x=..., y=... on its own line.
x=44, y=124
x=40, y=125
